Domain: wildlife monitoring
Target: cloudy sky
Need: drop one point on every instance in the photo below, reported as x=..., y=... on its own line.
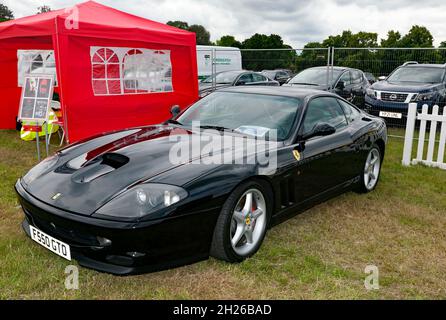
x=297, y=21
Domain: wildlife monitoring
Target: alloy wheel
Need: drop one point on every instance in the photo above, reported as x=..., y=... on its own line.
x=248, y=222
x=372, y=168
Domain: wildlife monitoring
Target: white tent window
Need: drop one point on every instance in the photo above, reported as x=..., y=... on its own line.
x=148, y=71
x=140, y=71
x=35, y=62
x=106, y=74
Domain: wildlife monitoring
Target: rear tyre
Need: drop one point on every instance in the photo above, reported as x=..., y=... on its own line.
x=371, y=172
x=243, y=221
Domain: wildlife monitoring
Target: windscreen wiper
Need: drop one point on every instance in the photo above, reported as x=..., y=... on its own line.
x=305, y=83
x=219, y=128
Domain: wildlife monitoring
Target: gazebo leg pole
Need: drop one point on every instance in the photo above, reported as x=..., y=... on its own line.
x=46, y=138
x=38, y=146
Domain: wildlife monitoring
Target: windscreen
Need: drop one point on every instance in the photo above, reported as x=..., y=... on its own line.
x=223, y=78
x=245, y=113
x=417, y=74
x=314, y=76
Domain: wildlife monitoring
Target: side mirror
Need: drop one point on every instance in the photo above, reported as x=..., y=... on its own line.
x=320, y=130
x=175, y=110
x=340, y=85
x=382, y=78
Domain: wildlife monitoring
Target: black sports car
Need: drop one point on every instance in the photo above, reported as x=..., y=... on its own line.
x=126, y=203
x=351, y=84
x=280, y=75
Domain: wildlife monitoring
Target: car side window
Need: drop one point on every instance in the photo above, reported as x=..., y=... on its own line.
x=323, y=110
x=246, y=78
x=356, y=77
x=346, y=78
x=258, y=77
x=350, y=112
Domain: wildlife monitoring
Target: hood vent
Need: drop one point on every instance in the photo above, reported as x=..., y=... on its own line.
x=114, y=160
x=101, y=166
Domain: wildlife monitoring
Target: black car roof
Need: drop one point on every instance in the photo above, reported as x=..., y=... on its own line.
x=292, y=92
x=334, y=68
x=276, y=70
x=233, y=71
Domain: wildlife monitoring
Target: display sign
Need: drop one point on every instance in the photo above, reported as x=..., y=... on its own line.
x=37, y=94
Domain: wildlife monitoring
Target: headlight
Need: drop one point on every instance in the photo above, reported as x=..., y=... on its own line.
x=371, y=93
x=40, y=169
x=142, y=200
x=424, y=97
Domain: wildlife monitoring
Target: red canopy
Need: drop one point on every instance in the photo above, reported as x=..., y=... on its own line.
x=114, y=70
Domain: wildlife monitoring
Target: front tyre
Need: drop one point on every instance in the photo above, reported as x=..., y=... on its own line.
x=372, y=170
x=243, y=221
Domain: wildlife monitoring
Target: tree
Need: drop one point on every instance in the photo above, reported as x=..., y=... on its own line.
x=262, y=41
x=349, y=39
x=179, y=24
x=228, y=41
x=203, y=36
x=5, y=13
x=339, y=41
x=314, y=45
x=43, y=9
x=365, y=40
x=393, y=40
x=418, y=37
x=443, y=44
x=268, y=59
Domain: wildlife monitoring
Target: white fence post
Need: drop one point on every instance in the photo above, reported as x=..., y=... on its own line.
x=424, y=117
x=422, y=135
x=441, y=147
x=432, y=135
x=410, y=127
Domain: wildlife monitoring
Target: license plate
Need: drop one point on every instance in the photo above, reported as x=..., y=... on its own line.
x=394, y=115
x=58, y=247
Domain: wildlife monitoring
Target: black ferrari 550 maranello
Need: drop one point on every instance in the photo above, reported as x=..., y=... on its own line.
x=117, y=203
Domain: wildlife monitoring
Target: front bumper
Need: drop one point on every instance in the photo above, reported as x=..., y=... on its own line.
x=375, y=106
x=135, y=247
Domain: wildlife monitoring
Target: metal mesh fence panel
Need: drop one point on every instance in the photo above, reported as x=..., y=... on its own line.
x=216, y=60
x=390, y=101
x=294, y=60
x=382, y=61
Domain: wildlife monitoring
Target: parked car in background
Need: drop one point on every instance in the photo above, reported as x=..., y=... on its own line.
x=411, y=82
x=350, y=84
x=370, y=77
x=280, y=75
x=232, y=79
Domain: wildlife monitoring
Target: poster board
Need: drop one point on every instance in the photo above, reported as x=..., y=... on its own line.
x=37, y=93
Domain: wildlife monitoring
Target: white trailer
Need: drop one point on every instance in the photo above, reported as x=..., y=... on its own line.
x=226, y=59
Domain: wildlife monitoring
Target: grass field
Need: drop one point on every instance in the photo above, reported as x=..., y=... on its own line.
x=320, y=254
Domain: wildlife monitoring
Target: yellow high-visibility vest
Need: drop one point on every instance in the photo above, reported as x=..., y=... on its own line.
x=30, y=136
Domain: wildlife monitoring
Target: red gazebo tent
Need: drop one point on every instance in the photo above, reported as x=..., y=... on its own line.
x=114, y=70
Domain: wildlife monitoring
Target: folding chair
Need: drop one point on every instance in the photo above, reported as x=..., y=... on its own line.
x=55, y=106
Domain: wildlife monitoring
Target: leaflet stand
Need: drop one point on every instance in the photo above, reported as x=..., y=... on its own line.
x=37, y=93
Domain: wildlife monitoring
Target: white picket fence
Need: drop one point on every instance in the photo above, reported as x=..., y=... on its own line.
x=435, y=120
